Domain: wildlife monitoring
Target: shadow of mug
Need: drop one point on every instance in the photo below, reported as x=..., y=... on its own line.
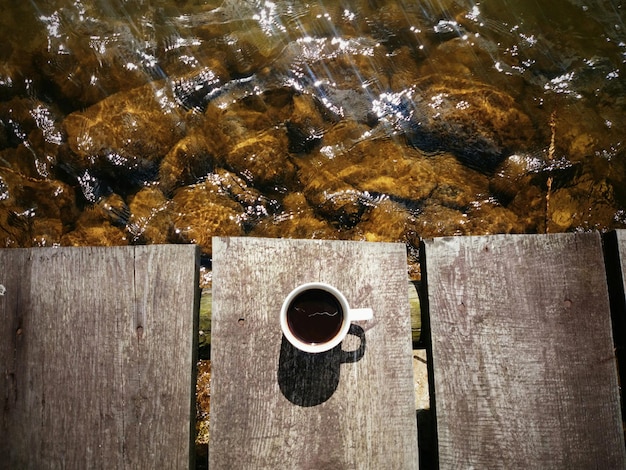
x=309, y=379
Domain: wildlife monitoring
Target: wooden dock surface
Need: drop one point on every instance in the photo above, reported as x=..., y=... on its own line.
x=522, y=353
x=274, y=407
x=97, y=349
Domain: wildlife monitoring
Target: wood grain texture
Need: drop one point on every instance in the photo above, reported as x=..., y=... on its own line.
x=522, y=353
x=97, y=346
x=272, y=407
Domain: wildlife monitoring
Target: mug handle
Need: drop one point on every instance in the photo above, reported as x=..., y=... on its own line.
x=357, y=314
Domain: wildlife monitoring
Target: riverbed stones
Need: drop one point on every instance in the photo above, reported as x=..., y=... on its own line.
x=387, y=167
x=297, y=219
x=188, y=161
x=94, y=229
x=255, y=204
x=341, y=136
x=588, y=205
x=25, y=125
x=368, y=121
x=489, y=217
x=99, y=54
x=262, y=159
x=333, y=198
x=150, y=219
x=246, y=113
x=437, y=220
x=33, y=212
x=306, y=125
x=200, y=214
x=515, y=173
x=476, y=122
x=203, y=401
x=450, y=172
x=127, y=133
x=192, y=87
x=387, y=221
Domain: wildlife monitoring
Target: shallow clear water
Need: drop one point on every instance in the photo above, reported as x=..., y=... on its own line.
x=172, y=121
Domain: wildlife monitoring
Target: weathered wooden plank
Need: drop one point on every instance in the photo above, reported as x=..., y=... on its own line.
x=522, y=352
x=272, y=407
x=97, y=346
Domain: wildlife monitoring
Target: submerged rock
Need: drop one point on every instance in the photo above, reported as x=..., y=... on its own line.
x=457, y=186
x=200, y=214
x=342, y=186
x=334, y=199
x=306, y=125
x=474, y=121
x=255, y=205
x=489, y=217
x=586, y=205
x=387, y=167
x=437, y=220
x=34, y=212
x=30, y=131
x=189, y=161
x=297, y=219
x=94, y=229
x=91, y=50
x=150, y=218
x=387, y=221
x=122, y=139
x=262, y=159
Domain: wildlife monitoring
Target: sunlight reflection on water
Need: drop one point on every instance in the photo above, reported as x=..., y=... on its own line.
x=374, y=120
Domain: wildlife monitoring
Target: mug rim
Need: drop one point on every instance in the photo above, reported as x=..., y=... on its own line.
x=315, y=347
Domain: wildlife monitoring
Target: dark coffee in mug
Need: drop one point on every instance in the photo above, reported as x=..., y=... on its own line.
x=315, y=316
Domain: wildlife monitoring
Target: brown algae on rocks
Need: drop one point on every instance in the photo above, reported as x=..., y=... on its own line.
x=371, y=122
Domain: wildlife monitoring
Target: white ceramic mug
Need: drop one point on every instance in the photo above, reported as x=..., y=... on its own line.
x=315, y=317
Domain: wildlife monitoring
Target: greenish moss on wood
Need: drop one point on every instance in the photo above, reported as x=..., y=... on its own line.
x=416, y=312
x=204, y=324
